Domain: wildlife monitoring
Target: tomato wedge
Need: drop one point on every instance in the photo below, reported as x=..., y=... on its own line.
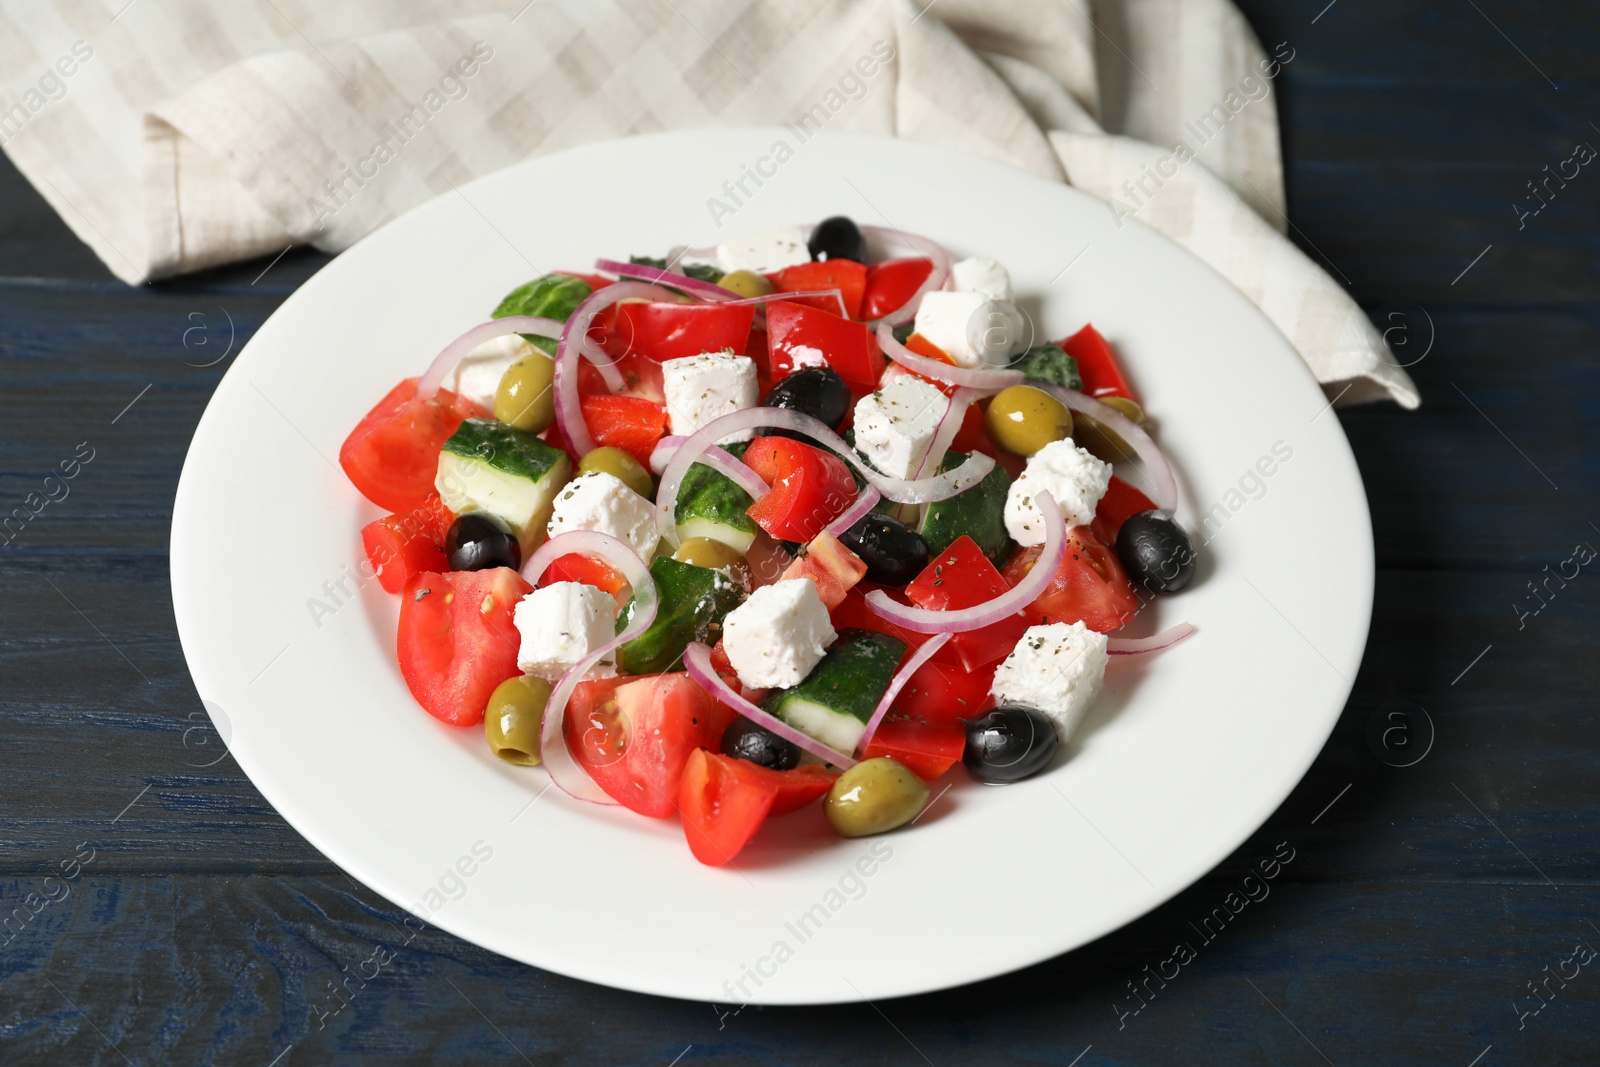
x=1097, y=365
x=457, y=639
x=662, y=331
x=810, y=487
x=799, y=336
x=891, y=283
x=393, y=453
x=724, y=801
x=1089, y=586
x=630, y=423
x=962, y=577
x=832, y=567
x=847, y=276
x=634, y=735
x=408, y=543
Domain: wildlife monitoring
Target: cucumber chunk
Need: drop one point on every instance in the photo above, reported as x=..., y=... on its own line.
x=834, y=701
x=977, y=511
x=710, y=504
x=513, y=477
x=693, y=603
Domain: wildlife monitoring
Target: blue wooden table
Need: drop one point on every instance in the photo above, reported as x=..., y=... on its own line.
x=1436, y=910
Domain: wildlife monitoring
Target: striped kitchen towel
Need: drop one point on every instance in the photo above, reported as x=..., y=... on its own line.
x=181, y=134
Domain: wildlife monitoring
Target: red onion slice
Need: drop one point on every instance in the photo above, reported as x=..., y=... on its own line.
x=719, y=459
x=900, y=490
x=575, y=342
x=697, y=661
x=707, y=290
x=898, y=682
x=865, y=502
x=993, y=379
x=1013, y=600
x=662, y=454
x=923, y=247
x=1134, y=646
x=453, y=353
x=1154, y=465
x=565, y=771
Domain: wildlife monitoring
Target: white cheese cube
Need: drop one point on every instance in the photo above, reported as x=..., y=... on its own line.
x=762, y=253
x=973, y=329
x=478, y=376
x=1076, y=479
x=979, y=275
x=777, y=635
x=702, y=388
x=560, y=624
x=602, y=503
x=895, y=425
x=1056, y=668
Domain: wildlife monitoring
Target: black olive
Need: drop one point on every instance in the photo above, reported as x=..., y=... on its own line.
x=1010, y=743
x=1156, y=552
x=475, y=543
x=893, y=552
x=815, y=391
x=744, y=739
x=837, y=237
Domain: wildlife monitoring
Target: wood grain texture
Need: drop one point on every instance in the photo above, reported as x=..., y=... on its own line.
x=1420, y=903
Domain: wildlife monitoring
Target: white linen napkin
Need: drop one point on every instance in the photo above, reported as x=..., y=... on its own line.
x=179, y=135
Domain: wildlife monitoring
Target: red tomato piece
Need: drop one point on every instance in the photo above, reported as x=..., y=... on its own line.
x=457, y=639
x=393, y=453
x=853, y=613
x=1097, y=365
x=635, y=735
x=577, y=567
x=928, y=748
x=641, y=377
x=891, y=283
x=847, y=276
x=662, y=331
x=1090, y=585
x=810, y=487
x=723, y=805
x=408, y=542
x=962, y=577
x=797, y=336
x=831, y=566
x=944, y=694
x=798, y=787
x=630, y=423
x=1121, y=502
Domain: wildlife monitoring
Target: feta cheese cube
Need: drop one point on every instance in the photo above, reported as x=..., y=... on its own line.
x=1076, y=479
x=895, y=425
x=602, y=503
x=979, y=275
x=762, y=253
x=702, y=388
x=973, y=329
x=1056, y=668
x=560, y=624
x=478, y=376
x=778, y=635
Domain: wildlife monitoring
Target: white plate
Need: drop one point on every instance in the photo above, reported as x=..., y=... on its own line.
x=1185, y=754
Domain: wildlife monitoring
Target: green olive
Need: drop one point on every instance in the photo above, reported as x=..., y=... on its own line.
x=746, y=283
x=525, y=399
x=614, y=461
x=1090, y=434
x=1023, y=419
x=713, y=554
x=514, y=717
x=875, y=796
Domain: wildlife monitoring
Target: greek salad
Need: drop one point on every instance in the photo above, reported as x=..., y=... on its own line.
x=806, y=516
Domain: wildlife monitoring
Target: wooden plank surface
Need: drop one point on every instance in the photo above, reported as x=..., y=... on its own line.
x=1421, y=902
